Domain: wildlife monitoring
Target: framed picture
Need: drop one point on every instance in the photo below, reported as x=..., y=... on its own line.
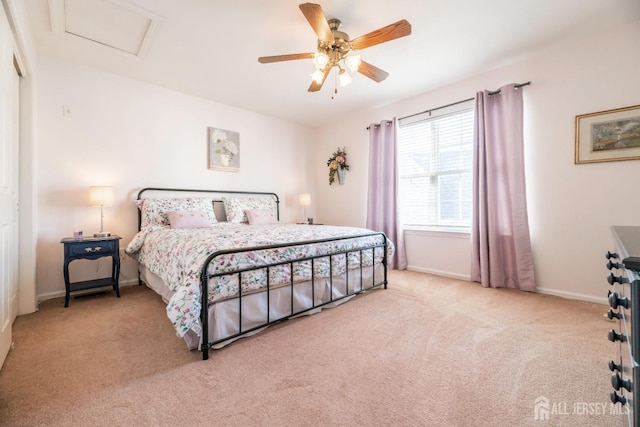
x=608, y=136
x=224, y=150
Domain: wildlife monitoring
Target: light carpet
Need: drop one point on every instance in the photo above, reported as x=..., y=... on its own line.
x=427, y=351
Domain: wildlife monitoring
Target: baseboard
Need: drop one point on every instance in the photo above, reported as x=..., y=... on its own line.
x=546, y=291
x=573, y=295
x=129, y=282
x=60, y=294
x=439, y=273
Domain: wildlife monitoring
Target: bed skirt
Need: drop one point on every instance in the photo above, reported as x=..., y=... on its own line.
x=258, y=308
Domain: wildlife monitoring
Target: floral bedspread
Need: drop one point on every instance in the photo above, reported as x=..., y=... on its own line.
x=177, y=256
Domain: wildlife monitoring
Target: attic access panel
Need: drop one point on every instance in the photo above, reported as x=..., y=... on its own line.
x=118, y=24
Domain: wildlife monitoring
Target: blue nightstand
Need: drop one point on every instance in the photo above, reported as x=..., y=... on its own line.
x=91, y=248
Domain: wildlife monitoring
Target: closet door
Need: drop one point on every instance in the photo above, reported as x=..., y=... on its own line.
x=8, y=187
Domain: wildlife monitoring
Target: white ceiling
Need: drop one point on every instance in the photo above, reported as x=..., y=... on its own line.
x=209, y=48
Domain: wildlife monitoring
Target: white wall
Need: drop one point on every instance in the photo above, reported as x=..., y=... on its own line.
x=571, y=207
x=130, y=135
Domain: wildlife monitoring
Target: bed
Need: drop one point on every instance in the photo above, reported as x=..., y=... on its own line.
x=227, y=267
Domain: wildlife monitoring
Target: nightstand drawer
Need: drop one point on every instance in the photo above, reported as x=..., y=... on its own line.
x=92, y=248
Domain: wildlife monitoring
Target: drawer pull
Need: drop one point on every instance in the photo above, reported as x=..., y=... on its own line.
x=96, y=249
x=615, y=300
x=611, y=265
x=615, y=398
x=617, y=382
x=613, y=366
x=614, y=336
x=613, y=314
x=612, y=279
x=610, y=255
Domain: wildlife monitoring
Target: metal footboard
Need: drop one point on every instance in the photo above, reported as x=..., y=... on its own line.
x=205, y=276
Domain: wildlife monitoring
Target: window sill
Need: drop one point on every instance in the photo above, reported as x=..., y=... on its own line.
x=438, y=232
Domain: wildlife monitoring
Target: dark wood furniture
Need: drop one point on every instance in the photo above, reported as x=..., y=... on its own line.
x=91, y=248
x=624, y=299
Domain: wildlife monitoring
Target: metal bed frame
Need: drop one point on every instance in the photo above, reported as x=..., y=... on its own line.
x=205, y=276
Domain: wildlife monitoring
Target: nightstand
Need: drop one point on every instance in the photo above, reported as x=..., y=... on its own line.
x=91, y=248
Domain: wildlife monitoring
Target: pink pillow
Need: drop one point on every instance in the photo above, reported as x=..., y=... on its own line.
x=261, y=216
x=184, y=219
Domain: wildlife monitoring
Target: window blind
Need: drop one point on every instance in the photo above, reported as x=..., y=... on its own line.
x=435, y=166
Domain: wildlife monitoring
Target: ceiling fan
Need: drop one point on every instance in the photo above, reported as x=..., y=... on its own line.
x=337, y=50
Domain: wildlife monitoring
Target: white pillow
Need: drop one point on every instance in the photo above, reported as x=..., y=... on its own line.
x=235, y=207
x=261, y=216
x=154, y=211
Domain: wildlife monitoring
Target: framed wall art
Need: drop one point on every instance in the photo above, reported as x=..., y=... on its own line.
x=608, y=136
x=224, y=150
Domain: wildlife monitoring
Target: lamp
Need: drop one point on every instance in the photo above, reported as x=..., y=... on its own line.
x=101, y=196
x=344, y=78
x=320, y=60
x=353, y=62
x=305, y=200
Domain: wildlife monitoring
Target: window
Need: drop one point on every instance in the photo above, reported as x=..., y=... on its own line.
x=435, y=165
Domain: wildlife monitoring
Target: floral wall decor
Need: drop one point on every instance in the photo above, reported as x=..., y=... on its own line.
x=338, y=165
x=224, y=150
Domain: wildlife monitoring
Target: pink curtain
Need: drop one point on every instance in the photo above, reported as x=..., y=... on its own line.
x=501, y=246
x=382, y=200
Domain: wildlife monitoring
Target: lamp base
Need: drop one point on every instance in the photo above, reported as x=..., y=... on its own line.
x=102, y=234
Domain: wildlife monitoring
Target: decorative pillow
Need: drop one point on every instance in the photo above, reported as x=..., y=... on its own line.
x=185, y=219
x=235, y=208
x=154, y=211
x=261, y=216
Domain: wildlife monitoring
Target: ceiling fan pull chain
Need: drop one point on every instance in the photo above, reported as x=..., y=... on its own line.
x=335, y=85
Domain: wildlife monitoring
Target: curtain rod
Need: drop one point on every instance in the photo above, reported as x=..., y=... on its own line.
x=495, y=92
x=388, y=122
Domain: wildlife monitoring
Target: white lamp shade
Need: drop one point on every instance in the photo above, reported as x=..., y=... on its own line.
x=304, y=199
x=344, y=78
x=320, y=60
x=353, y=62
x=101, y=196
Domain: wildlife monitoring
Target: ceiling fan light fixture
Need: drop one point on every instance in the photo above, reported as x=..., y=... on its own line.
x=320, y=60
x=353, y=62
x=335, y=49
x=344, y=78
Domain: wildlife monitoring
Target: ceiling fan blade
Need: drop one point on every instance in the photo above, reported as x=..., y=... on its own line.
x=315, y=16
x=373, y=72
x=278, y=58
x=396, y=30
x=314, y=87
